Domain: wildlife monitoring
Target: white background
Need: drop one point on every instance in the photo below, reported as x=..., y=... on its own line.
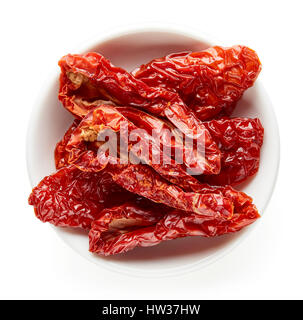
x=35, y=263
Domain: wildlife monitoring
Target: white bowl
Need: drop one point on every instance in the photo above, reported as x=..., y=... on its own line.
x=129, y=49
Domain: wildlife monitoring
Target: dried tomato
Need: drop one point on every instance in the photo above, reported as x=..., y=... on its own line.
x=209, y=82
x=74, y=198
x=61, y=155
x=144, y=181
x=240, y=141
x=122, y=228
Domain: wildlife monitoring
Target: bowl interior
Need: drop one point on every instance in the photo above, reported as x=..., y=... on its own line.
x=50, y=121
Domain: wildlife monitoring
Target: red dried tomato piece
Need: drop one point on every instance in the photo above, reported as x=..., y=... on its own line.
x=240, y=141
x=144, y=181
x=122, y=228
x=61, y=155
x=209, y=82
x=74, y=198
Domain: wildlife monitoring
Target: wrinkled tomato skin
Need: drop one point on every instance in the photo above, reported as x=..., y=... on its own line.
x=210, y=82
x=73, y=198
x=60, y=154
x=144, y=227
x=240, y=141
